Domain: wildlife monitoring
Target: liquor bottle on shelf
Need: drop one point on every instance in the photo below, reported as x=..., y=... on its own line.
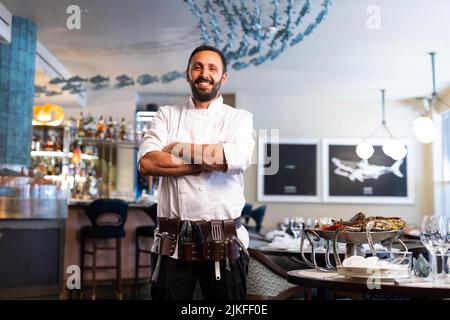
x=57, y=169
x=109, y=128
x=38, y=144
x=122, y=129
x=51, y=167
x=49, y=144
x=114, y=130
x=101, y=128
x=90, y=126
x=80, y=126
x=33, y=143
x=58, y=144
x=22, y=172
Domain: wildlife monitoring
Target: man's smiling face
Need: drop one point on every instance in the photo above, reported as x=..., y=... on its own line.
x=205, y=75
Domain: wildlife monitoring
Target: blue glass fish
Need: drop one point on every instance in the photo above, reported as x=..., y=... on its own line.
x=421, y=267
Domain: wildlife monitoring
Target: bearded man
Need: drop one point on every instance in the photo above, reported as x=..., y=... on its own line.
x=201, y=149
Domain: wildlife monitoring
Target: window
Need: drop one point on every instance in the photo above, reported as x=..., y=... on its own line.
x=446, y=164
x=446, y=147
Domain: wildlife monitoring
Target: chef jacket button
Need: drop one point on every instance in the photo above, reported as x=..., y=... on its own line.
x=182, y=191
x=201, y=188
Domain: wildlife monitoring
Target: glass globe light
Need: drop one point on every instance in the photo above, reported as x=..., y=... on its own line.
x=364, y=150
x=388, y=146
x=424, y=129
x=394, y=149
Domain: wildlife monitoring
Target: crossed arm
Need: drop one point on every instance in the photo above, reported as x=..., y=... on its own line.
x=179, y=159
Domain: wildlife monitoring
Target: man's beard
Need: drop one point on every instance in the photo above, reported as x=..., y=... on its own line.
x=204, y=96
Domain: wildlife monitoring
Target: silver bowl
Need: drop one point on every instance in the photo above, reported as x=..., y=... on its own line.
x=353, y=240
x=357, y=237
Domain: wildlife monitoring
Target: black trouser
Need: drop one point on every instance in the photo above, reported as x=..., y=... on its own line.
x=176, y=280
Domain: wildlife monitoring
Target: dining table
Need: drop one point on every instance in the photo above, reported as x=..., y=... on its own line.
x=335, y=282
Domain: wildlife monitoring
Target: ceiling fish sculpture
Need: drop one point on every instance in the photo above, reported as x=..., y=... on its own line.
x=145, y=79
x=254, y=32
x=123, y=81
x=249, y=33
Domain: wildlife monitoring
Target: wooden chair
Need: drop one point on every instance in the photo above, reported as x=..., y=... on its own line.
x=267, y=281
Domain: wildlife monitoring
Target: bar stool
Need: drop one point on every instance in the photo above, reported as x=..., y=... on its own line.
x=143, y=232
x=108, y=217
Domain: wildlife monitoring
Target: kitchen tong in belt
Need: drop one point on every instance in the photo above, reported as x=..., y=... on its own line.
x=217, y=235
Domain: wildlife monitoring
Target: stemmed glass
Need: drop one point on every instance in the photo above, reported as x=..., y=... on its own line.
x=434, y=234
x=284, y=225
x=445, y=246
x=297, y=227
x=294, y=228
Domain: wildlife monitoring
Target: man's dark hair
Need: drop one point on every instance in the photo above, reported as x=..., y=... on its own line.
x=209, y=48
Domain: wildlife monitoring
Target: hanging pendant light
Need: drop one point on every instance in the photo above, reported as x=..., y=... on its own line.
x=364, y=150
x=392, y=147
x=423, y=127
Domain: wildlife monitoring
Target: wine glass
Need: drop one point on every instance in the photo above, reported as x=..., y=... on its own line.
x=297, y=227
x=284, y=225
x=434, y=234
x=444, y=247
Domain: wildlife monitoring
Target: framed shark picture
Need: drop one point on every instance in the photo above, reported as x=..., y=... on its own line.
x=379, y=179
x=288, y=170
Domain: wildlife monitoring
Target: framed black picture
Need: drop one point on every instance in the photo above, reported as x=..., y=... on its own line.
x=379, y=179
x=288, y=170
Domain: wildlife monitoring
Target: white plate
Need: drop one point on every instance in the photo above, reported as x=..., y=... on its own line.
x=279, y=245
x=386, y=274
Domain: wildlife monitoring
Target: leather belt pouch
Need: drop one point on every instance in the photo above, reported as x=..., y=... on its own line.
x=215, y=244
x=168, y=230
x=232, y=248
x=215, y=251
x=195, y=250
x=211, y=241
x=191, y=251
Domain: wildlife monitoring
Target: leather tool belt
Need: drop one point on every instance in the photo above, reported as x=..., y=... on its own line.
x=202, y=240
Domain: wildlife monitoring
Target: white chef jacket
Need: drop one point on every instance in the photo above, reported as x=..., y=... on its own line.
x=211, y=194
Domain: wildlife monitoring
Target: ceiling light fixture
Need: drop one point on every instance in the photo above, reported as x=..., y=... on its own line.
x=392, y=147
x=423, y=127
x=48, y=115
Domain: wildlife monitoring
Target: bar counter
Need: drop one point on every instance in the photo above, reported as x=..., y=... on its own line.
x=31, y=247
x=39, y=240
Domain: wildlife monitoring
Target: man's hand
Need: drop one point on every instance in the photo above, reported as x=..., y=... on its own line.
x=158, y=163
